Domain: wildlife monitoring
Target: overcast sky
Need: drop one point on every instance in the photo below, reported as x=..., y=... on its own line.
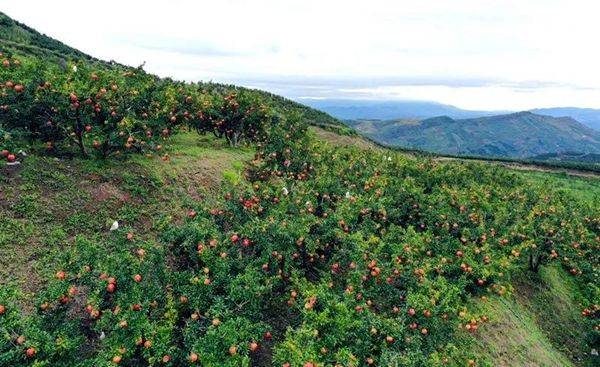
x=477, y=54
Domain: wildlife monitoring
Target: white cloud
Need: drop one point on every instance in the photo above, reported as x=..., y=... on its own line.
x=478, y=54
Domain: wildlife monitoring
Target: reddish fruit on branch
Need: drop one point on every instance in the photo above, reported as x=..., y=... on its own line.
x=4, y=153
x=235, y=238
x=30, y=352
x=137, y=278
x=19, y=88
x=193, y=357
x=11, y=158
x=233, y=350
x=2, y=309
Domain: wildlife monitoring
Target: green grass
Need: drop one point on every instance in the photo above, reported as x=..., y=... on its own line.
x=584, y=188
x=537, y=325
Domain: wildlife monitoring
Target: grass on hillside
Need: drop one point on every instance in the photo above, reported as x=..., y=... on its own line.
x=537, y=325
x=587, y=189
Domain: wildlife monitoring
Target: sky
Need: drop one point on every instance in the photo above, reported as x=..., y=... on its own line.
x=474, y=54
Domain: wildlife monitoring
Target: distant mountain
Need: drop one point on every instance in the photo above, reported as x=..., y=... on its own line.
x=587, y=116
x=519, y=135
x=387, y=110
x=347, y=109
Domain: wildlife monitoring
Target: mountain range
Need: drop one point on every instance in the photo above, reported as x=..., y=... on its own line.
x=346, y=109
x=517, y=135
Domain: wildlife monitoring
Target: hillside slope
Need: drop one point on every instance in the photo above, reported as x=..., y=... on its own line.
x=293, y=247
x=522, y=135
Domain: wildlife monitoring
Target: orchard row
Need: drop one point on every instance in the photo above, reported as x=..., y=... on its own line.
x=98, y=111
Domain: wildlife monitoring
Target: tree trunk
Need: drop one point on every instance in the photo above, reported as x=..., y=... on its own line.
x=535, y=259
x=79, y=133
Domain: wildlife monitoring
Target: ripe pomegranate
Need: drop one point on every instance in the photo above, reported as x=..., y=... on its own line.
x=193, y=357
x=235, y=238
x=253, y=346
x=2, y=309
x=117, y=359
x=11, y=158
x=137, y=278
x=19, y=88
x=30, y=352
x=233, y=350
x=4, y=153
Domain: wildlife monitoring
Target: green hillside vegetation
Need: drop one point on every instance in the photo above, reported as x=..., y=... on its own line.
x=518, y=135
x=152, y=222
